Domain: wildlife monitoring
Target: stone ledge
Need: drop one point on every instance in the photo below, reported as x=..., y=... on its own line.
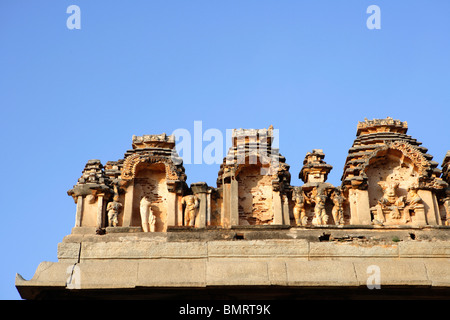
x=153, y=248
x=258, y=248
x=336, y=250
x=249, y=272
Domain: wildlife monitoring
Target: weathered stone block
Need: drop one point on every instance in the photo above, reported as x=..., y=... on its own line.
x=143, y=250
x=236, y=272
x=172, y=273
x=393, y=272
x=320, y=273
x=422, y=249
x=258, y=248
x=342, y=250
x=107, y=274
x=68, y=251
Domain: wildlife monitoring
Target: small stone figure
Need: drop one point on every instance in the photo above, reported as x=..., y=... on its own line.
x=113, y=209
x=191, y=203
x=338, y=209
x=320, y=215
x=447, y=212
x=148, y=220
x=389, y=201
x=412, y=201
x=299, y=209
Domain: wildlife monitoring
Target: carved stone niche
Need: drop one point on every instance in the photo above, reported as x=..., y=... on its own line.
x=254, y=181
x=255, y=196
x=393, y=190
x=150, y=183
x=91, y=194
x=153, y=181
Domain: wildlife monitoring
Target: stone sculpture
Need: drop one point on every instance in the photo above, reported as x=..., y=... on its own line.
x=190, y=203
x=389, y=202
x=338, y=208
x=113, y=210
x=388, y=179
x=299, y=209
x=148, y=220
x=413, y=201
x=319, y=197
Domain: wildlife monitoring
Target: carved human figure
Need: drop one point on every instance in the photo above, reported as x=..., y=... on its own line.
x=320, y=215
x=447, y=212
x=390, y=201
x=113, y=209
x=190, y=203
x=299, y=209
x=148, y=220
x=412, y=201
x=338, y=208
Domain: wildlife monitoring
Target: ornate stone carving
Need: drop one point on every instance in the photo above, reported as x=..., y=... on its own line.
x=190, y=204
x=132, y=162
x=113, y=208
x=397, y=206
x=389, y=202
x=148, y=220
x=412, y=203
x=299, y=211
x=338, y=207
x=319, y=197
x=389, y=179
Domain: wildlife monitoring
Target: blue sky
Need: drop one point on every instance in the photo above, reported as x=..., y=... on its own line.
x=312, y=69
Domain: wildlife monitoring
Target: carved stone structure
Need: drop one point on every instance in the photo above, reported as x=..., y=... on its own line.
x=138, y=213
x=382, y=165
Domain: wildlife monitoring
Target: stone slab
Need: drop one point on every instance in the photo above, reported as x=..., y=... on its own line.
x=107, y=274
x=258, y=248
x=143, y=250
x=320, y=273
x=69, y=252
x=236, y=272
x=171, y=273
x=341, y=250
x=424, y=249
x=438, y=272
x=393, y=272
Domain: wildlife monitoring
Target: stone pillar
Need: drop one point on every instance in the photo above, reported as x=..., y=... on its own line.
x=200, y=189
x=234, y=202
x=172, y=209
x=179, y=216
x=286, y=216
x=79, y=212
x=359, y=207
x=226, y=205
x=208, y=207
x=428, y=200
x=420, y=216
x=277, y=208
x=128, y=206
x=100, y=211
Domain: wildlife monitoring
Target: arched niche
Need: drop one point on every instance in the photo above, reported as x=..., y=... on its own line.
x=150, y=181
x=390, y=165
x=255, y=195
x=391, y=171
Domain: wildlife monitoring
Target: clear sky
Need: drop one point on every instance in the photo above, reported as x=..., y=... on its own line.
x=312, y=69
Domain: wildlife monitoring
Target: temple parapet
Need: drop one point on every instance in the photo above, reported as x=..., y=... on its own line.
x=142, y=232
x=389, y=179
